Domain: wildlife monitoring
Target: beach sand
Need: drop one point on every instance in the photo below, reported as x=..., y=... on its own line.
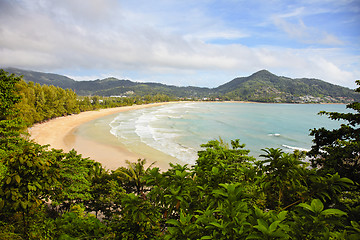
x=60, y=133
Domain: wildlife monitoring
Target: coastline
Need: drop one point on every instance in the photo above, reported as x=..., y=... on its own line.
x=89, y=134
x=60, y=133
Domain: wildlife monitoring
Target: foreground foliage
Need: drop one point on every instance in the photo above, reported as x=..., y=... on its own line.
x=49, y=194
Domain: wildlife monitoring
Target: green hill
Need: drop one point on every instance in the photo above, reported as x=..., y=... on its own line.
x=261, y=86
x=267, y=87
x=110, y=86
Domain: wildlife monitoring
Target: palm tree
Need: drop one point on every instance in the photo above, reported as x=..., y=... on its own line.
x=135, y=173
x=282, y=174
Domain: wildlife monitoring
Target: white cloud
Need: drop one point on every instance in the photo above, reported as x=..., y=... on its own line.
x=295, y=13
x=330, y=71
x=301, y=32
x=217, y=35
x=92, y=77
x=110, y=37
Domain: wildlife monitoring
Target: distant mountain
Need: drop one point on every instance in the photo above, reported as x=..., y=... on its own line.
x=265, y=86
x=261, y=86
x=110, y=86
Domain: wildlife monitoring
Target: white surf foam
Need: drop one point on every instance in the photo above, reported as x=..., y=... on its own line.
x=163, y=138
x=274, y=134
x=123, y=126
x=152, y=127
x=295, y=148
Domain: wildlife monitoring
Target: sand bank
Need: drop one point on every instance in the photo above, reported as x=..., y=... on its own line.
x=59, y=134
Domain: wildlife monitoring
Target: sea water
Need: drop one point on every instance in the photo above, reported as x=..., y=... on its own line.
x=180, y=129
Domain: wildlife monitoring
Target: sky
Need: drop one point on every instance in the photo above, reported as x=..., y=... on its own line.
x=202, y=43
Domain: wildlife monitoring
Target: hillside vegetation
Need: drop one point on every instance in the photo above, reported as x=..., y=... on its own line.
x=261, y=86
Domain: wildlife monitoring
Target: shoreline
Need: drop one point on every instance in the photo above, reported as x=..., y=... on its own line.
x=305, y=103
x=59, y=133
x=69, y=133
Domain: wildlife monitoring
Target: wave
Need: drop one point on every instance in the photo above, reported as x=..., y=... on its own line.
x=284, y=138
x=149, y=128
x=295, y=148
x=274, y=134
x=123, y=126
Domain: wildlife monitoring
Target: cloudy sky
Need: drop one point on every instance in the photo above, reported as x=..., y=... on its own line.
x=183, y=42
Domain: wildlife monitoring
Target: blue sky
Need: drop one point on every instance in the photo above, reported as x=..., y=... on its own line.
x=187, y=42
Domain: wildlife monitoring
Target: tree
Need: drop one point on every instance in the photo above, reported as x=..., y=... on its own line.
x=219, y=163
x=10, y=123
x=8, y=95
x=338, y=150
x=28, y=181
x=133, y=176
x=74, y=178
x=76, y=224
x=283, y=178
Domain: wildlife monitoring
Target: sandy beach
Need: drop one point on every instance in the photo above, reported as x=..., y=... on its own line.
x=59, y=134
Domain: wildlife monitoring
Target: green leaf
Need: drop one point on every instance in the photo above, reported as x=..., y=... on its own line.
x=280, y=234
x=216, y=224
x=215, y=170
x=262, y=226
x=258, y=212
x=263, y=223
x=181, y=199
x=282, y=215
x=173, y=222
x=254, y=236
x=333, y=212
x=17, y=178
x=206, y=237
x=273, y=226
x=347, y=180
x=306, y=206
x=220, y=192
x=355, y=225
x=23, y=205
x=326, y=195
x=8, y=180
x=38, y=185
x=317, y=205
x=262, y=229
x=175, y=191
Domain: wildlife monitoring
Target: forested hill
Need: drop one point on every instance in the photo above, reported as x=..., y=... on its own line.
x=110, y=86
x=261, y=86
x=265, y=86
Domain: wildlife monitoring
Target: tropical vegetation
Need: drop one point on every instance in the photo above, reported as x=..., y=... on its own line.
x=227, y=194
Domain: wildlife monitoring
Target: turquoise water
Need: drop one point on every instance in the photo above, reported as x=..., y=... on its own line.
x=179, y=129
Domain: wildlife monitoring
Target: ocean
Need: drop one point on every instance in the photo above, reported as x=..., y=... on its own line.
x=179, y=129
